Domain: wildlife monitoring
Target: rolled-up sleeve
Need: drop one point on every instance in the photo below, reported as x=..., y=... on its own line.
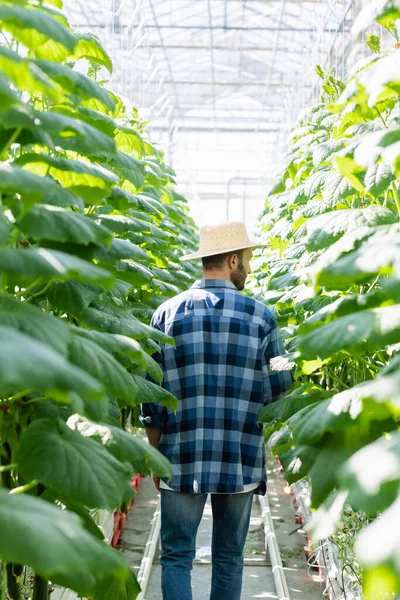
x=276, y=383
x=154, y=414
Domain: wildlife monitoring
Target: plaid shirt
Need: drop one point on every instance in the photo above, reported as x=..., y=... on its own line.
x=219, y=371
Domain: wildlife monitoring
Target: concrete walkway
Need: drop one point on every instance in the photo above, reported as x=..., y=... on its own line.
x=258, y=581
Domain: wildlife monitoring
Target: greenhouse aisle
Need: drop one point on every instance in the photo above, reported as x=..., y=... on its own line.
x=258, y=580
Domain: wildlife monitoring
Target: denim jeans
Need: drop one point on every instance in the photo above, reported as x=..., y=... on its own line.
x=180, y=518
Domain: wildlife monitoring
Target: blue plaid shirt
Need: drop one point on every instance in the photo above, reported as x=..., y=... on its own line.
x=220, y=373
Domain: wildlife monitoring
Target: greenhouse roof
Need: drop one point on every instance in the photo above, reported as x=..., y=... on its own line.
x=219, y=67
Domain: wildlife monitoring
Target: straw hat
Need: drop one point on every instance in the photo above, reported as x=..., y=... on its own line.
x=218, y=239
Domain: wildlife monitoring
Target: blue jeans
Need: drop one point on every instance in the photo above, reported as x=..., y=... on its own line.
x=180, y=518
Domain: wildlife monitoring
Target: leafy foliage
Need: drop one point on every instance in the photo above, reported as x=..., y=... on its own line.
x=332, y=219
x=91, y=231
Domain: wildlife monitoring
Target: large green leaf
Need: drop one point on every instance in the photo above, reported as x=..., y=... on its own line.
x=76, y=467
x=36, y=30
x=150, y=392
x=293, y=402
x=380, y=254
x=383, y=390
x=99, y=363
x=113, y=320
x=324, y=230
x=72, y=557
x=377, y=547
x=121, y=249
x=46, y=222
x=25, y=75
x=76, y=83
x=34, y=322
x=73, y=296
x=122, y=344
x=127, y=168
x=89, y=47
x=15, y=180
x=378, y=178
x=66, y=132
x=125, y=446
x=27, y=363
x=7, y=96
x=134, y=273
x=378, y=326
x=51, y=265
x=372, y=475
x=83, y=178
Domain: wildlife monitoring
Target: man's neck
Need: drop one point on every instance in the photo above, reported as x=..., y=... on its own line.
x=215, y=275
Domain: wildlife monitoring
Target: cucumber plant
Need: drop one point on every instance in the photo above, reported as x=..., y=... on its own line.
x=333, y=277
x=91, y=231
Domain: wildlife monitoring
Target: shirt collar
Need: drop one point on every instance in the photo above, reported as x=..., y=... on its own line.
x=214, y=283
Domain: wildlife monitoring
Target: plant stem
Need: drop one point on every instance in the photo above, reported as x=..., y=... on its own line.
x=12, y=139
x=25, y=488
x=19, y=395
x=7, y=467
x=30, y=287
x=396, y=197
x=380, y=116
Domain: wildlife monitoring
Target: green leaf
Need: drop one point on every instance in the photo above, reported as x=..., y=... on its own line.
x=378, y=326
x=84, y=179
x=45, y=222
x=373, y=42
x=297, y=399
x=51, y=265
x=121, y=249
x=384, y=390
x=336, y=188
x=66, y=132
x=72, y=297
x=386, y=12
x=128, y=140
x=113, y=320
x=35, y=323
x=127, y=168
x=75, y=82
x=27, y=363
x=73, y=557
x=297, y=462
x=99, y=363
x=15, y=180
x=116, y=343
x=35, y=29
x=124, y=446
x=7, y=96
x=377, y=547
x=380, y=254
x=46, y=451
x=89, y=47
x=325, y=229
x=372, y=475
x=134, y=273
x=378, y=178
x=150, y=392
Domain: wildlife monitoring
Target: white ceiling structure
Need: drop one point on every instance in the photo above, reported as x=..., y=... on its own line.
x=221, y=82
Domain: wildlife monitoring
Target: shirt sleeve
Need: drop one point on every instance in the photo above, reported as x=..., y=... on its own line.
x=154, y=414
x=276, y=383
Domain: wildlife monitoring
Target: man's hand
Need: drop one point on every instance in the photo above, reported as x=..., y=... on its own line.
x=156, y=482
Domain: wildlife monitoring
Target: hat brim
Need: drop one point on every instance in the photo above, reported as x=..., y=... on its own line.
x=199, y=254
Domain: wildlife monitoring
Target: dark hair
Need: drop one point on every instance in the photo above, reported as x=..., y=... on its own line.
x=217, y=261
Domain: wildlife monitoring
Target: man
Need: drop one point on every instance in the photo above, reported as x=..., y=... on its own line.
x=220, y=373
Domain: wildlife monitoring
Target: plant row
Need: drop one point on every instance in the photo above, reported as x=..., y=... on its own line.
x=333, y=277
x=91, y=231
